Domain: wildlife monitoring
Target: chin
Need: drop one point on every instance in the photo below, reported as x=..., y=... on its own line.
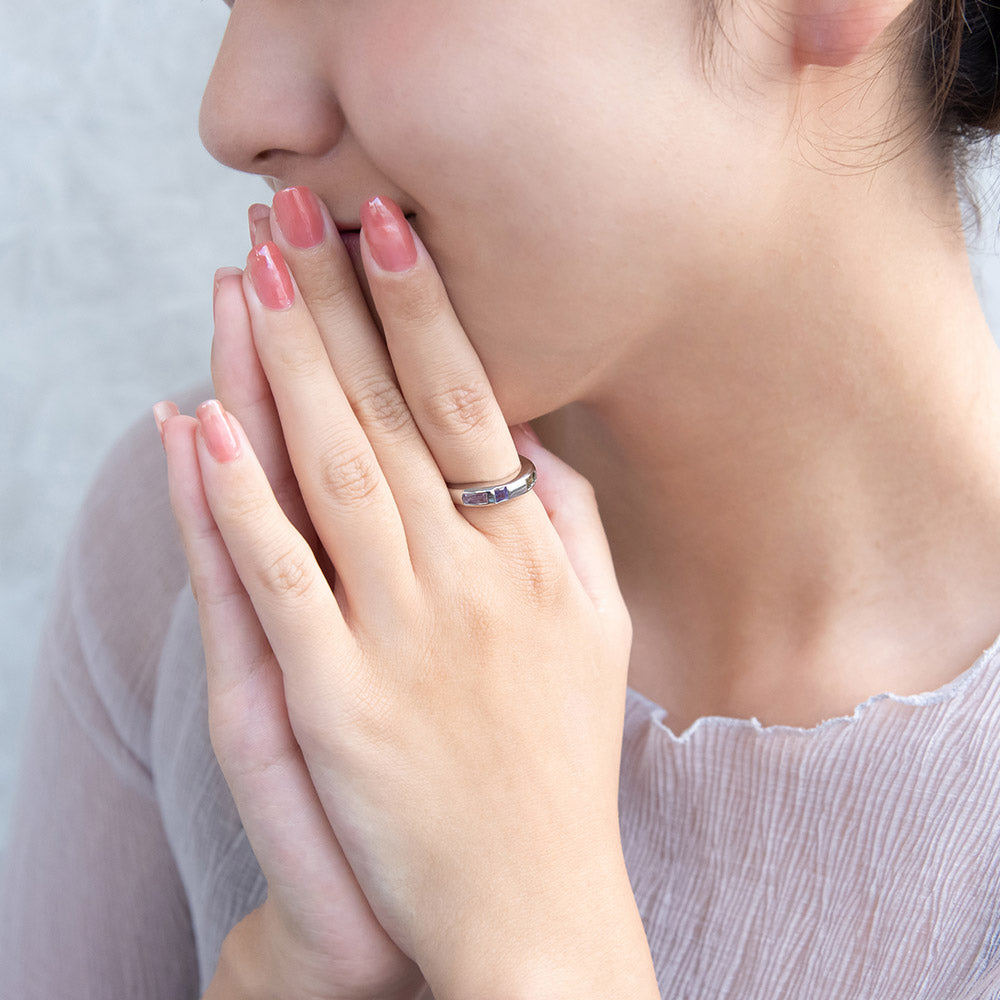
x=520, y=406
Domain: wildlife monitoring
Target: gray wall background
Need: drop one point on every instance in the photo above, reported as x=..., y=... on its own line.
x=112, y=222
x=113, y=219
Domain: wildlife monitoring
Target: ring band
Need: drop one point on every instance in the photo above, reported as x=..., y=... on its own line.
x=482, y=494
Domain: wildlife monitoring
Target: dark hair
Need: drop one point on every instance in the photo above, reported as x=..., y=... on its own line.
x=961, y=47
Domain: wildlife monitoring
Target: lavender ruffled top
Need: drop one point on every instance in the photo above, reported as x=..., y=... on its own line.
x=856, y=859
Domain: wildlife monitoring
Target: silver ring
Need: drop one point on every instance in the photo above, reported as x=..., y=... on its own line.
x=482, y=494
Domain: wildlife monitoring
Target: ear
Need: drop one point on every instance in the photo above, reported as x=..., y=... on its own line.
x=837, y=32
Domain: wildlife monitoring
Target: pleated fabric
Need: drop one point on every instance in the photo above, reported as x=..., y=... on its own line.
x=859, y=858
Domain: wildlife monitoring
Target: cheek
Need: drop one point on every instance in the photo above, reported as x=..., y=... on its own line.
x=527, y=181
x=447, y=95
x=543, y=307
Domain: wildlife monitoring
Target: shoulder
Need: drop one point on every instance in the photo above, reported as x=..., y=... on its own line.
x=120, y=579
x=125, y=552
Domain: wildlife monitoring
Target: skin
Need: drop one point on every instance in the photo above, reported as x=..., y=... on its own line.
x=740, y=306
x=443, y=828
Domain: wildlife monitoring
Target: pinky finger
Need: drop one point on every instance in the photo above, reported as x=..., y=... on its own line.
x=251, y=733
x=227, y=618
x=285, y=583
x=571, y=506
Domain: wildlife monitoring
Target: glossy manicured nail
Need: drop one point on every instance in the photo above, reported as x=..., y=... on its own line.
x=222, y=443
x=259, y=219
x=162, y=412
x=270, y=278
x=388, y=235
x=299, y=217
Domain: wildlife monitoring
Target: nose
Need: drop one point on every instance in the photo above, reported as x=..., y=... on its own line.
x=267, y=100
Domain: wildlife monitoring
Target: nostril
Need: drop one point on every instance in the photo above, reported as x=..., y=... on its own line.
x=268, y=156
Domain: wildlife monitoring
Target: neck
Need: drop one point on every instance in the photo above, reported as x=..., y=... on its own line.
x=802, y=487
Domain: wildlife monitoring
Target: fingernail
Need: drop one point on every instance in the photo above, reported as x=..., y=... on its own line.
x=222, y=443
x=222, y=273
x=162, y=412
x=270, y=278
x=259, y=218
x=299, y=217
x=388, y=235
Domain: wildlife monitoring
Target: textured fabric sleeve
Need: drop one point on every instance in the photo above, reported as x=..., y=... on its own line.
x=91, y=903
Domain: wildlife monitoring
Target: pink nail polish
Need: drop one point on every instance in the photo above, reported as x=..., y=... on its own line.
x=270, y=278
x=259, y=220
x=299, y=216
x=222, y=443
x=388, y=235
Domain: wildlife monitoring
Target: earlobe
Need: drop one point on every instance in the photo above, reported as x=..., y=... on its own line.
x=837, y=32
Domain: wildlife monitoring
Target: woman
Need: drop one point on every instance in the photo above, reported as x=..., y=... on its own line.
x=715, y=255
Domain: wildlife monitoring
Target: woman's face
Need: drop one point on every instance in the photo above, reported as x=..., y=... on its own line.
x=565, y=161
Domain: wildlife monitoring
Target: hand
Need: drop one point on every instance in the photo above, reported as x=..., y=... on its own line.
x=458, y=694
x=315, y=936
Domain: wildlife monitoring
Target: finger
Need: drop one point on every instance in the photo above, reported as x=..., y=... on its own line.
x=235, y=643
x=162, y=412
x=320, y=262
x=292, y=600
x=241, y=386
x=569, y=502
x=439, y=372
x=251, y=734
x=345, y=492
x=236, y=648
x=259, y=221
x=211, y=571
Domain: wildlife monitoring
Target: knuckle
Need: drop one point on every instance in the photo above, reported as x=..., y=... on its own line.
x=234, y=692
x=417, y=303
x=378, y=400
x=297, y=358
x=542, y=579
x=370, y=714
x=241, y=756
x=536, y=569
x=292, y=349
x=536, y=578
x=250, y=509
x=328, y=291
x=464, y=408
x=289, y=574
x=348, y=478
x=210, y=594
x=478, y=615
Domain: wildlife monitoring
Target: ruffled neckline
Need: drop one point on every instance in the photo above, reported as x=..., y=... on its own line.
x=639, y=703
